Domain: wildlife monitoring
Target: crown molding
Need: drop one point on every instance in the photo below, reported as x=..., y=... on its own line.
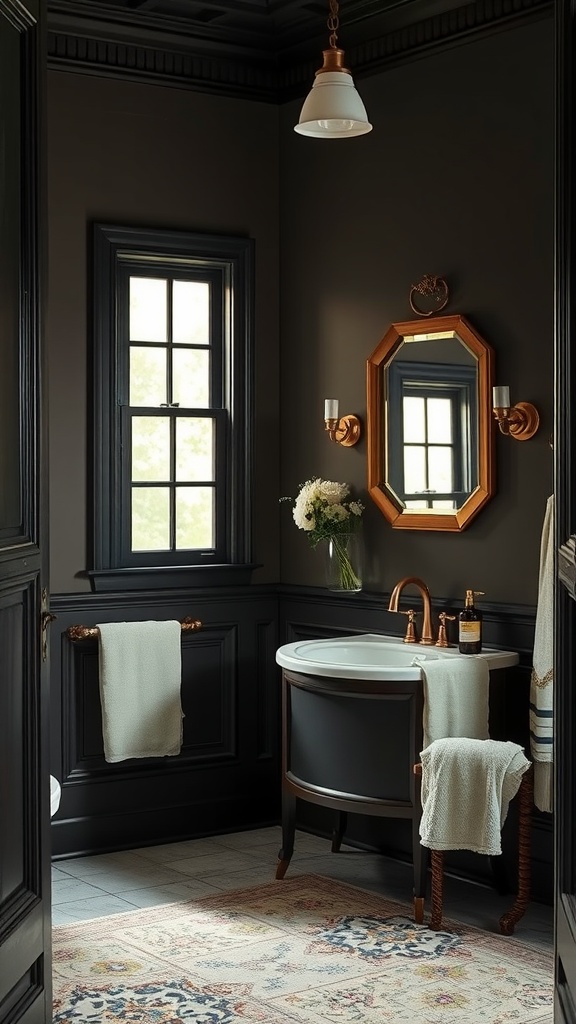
x=256, y=64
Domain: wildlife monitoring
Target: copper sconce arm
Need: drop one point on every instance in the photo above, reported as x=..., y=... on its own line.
x=345, y=430
x=520, y=421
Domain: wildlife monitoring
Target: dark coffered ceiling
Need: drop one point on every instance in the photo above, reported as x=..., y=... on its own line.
x=265, y=49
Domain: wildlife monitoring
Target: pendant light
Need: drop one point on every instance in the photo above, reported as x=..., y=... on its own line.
x=333, y=109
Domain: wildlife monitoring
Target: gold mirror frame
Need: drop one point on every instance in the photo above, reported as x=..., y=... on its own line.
x=386, y=500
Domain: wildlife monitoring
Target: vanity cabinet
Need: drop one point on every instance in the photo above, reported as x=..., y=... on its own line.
x=351, y=745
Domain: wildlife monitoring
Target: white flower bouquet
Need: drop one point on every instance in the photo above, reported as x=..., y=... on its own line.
x=324, y=510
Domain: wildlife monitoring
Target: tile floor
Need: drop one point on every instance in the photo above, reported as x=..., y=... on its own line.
x=111, y=883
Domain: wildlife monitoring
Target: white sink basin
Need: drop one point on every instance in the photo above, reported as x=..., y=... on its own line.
x=372, y=656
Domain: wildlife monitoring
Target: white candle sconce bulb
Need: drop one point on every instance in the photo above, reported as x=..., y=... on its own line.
x=520, y=421
x=345, y=430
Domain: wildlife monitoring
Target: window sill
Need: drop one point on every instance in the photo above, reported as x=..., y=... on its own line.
x=170, y=577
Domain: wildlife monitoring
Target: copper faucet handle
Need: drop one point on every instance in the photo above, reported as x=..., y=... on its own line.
x=442, y=640
x=410, y=637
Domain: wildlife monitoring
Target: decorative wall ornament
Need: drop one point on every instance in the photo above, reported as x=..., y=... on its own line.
x=431, y=291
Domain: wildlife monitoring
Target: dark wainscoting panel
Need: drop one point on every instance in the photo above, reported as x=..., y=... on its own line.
x=227, y=774
x=311, y=614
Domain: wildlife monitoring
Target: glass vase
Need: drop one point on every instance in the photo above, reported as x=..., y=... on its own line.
x=343, y=562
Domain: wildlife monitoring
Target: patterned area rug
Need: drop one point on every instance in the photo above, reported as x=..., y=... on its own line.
x=305, y=950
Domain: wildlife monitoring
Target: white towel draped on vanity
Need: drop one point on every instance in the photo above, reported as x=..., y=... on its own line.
x=456, y=692
x=467, y=786
x=140, y=672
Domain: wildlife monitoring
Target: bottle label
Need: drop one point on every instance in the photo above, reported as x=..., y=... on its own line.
x=469, y=632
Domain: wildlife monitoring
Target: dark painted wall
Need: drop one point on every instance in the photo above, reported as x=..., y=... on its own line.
x=455, y=179
x=159, y=157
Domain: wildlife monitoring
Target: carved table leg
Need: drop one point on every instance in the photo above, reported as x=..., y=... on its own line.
x=437, y=889
x=508, y=920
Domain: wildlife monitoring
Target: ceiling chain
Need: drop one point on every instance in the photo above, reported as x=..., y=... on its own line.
x=333, y=24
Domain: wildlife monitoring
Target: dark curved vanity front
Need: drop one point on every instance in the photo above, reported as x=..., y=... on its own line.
x=351, y=745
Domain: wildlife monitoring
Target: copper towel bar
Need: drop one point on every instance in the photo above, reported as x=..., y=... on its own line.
x=189, y=625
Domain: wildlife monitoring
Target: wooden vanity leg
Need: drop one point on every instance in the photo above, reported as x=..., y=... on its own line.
x=338, y=832
x=437, y=889
x=420, y=867
x=419, y=909
x=288, y=832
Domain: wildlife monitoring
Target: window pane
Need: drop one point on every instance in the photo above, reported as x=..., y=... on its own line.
x=416, y=504
x=439, y=420
x=414, y=419
x=191, y=370
x=148, y=309
x=444, y=505
x=191, y=313
x=194, y=449
x=440, y=469
x=150, y=448
x=150, y=519
x=147, y=376
x=195, y=517
x=414, y=469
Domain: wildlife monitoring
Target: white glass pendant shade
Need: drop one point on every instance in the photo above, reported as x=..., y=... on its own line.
x=333, y=109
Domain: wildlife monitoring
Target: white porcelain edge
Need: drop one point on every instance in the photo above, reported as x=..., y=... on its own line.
x=292, y=656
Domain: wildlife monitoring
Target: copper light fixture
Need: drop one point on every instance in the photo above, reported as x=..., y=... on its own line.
x=344, y=430
x=520, y=421
x=333, y=108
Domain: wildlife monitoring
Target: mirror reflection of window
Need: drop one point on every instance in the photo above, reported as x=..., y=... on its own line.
x=428, y=450
x=430, y=466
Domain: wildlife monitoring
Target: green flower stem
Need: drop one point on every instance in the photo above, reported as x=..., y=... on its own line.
x=348, y=578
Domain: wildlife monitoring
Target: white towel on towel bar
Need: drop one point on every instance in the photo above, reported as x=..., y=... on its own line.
x=456, y=694
x=140, y=673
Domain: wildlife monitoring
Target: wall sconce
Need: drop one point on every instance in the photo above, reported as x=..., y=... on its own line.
x=520, y=421
x=342, y=429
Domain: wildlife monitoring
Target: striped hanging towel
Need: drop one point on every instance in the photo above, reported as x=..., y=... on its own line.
x=542, y=680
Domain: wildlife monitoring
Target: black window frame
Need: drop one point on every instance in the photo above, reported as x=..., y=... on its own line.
x=227, y=261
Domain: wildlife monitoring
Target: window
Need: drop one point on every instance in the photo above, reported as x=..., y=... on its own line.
x=429, y=465
x=172, y=384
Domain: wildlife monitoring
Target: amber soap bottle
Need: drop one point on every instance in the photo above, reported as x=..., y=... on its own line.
x=470, y=625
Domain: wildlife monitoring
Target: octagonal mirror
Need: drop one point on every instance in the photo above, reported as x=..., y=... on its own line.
x=430, y=430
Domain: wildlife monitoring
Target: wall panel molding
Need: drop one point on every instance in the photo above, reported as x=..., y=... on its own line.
x=225, y=777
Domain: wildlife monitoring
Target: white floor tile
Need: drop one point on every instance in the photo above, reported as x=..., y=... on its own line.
x=88, y=887
x=219, y=863
x=177, y=851
x=122, y=878
x=174, y=893
x=87, y=910
x=68, y=890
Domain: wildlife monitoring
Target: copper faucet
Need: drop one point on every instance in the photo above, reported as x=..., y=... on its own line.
x=426, y=637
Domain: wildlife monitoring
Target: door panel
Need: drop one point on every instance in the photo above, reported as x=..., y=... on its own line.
x=25, y=964
x=565, y=520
